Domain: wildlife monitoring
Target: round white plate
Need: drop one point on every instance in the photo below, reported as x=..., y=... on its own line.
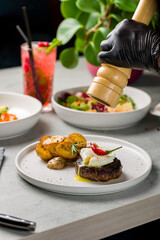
x=135, y=161
x=155, y=110
x=104, y=121
x=26, y=108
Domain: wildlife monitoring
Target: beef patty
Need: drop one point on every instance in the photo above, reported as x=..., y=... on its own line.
x=109, y=171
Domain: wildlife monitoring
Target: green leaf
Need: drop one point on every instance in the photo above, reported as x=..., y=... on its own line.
x=69, y=57
x=55, y=43
x=89, y=6
x=113, y=24
x=97, y=39
x=91, y=54
x=90, y=37
x=80, y=45
x=155, y=21
x=115, y=16
x=126, y=15
x=69, y=9
x=105, y=31
x=104, y=2
x=67, y=29
x=99, y=36
x=71, y=99
x=126, y=5
x=81, y=33
x=83, y=18
x=132, y=102
x=3, y=110
x=74, y=147
x=92, y=20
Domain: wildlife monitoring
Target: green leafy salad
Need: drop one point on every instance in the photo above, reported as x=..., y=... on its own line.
x=81, y=101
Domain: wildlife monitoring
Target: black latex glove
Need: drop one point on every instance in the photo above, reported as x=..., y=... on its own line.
x=132, y=45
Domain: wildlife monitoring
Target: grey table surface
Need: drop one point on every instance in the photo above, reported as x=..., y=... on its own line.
x=51, y=210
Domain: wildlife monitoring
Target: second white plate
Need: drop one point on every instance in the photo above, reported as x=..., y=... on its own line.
x=155, y=110
x=135, y=161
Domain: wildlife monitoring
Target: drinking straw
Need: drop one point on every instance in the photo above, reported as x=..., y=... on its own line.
x=34, y=75
x=22, y=33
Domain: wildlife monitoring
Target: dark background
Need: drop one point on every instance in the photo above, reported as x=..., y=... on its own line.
x=44, y=17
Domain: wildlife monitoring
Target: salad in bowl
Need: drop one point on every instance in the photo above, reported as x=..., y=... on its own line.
x=82, y=102
x=75, y=107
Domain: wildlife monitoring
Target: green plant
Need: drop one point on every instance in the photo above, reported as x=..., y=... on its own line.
x=89, y=22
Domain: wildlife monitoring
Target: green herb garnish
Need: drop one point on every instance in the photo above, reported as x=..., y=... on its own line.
x=115, y=149
x=131, y=101
x=4, y=110
x=124, y=99
x=74, y=147
x=60, y=101
x=55, y=42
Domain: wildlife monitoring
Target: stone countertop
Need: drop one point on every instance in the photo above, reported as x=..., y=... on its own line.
x=61, y=215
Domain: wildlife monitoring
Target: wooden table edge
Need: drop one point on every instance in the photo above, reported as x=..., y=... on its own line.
x=106, y=223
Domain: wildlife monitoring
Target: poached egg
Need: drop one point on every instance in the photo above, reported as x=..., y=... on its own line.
x=91, y=159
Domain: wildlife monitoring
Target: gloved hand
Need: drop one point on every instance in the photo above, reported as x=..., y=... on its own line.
x=132, y=45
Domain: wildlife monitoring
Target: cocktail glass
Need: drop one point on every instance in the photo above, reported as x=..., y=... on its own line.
x=44, y=67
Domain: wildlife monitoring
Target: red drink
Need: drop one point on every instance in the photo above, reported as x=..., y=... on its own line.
x=44, y=66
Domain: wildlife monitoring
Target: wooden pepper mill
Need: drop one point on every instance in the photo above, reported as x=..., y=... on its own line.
x=107, y=87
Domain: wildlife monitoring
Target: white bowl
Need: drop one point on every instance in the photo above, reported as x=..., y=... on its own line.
x=102, y=120
x=26, y=108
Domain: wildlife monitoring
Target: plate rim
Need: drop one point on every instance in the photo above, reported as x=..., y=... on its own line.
x=153, y=111
x=100, y=187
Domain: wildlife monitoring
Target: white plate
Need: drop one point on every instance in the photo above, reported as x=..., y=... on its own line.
x=26, y=108
x=155, y=110
x=104, y=121
x=135, y=161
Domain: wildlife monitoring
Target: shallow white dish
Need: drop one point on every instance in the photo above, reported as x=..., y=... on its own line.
x=135, y=161
x=155, y=110
x=104, y=121
x=26, y=108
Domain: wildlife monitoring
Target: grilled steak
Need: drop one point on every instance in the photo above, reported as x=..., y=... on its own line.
x=109, y=171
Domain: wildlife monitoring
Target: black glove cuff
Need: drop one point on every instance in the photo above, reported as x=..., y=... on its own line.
x=155, y=50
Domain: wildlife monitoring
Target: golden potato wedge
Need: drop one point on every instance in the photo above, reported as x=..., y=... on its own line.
x=57, y=163
x=54, y=139
x=51, y=143
x=78, y=138
x=46, y=149
x=43, y=139
x=64, y=149
x=43, y=153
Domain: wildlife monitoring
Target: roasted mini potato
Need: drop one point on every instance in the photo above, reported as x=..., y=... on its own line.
x=57, y=163
x=42, y=139
x=43, y=153
x=78, y=139
x=52, y=143
x=46, y=148
x=64, y=149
